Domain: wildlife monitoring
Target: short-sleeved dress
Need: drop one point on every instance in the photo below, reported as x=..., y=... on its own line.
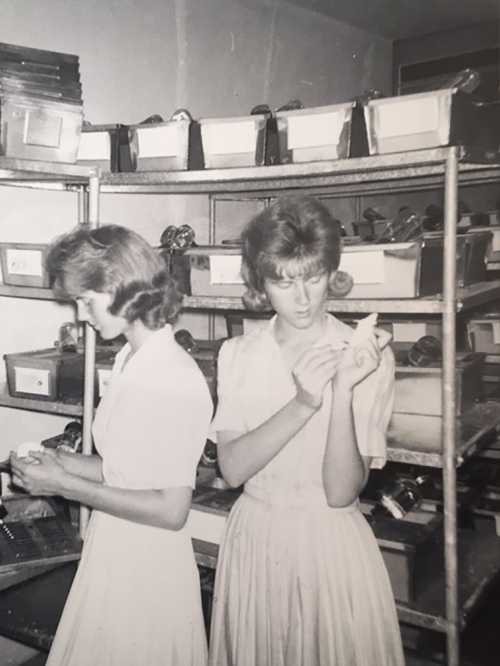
x=135, y=600
x=299, y=583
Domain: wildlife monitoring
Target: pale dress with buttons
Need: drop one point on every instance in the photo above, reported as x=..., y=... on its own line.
x=299, y=583
x=136, y=599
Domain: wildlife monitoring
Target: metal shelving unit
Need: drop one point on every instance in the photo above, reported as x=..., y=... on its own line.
x=448, y=607
x=86, y=182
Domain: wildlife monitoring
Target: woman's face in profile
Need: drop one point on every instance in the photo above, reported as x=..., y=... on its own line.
x=92, y=307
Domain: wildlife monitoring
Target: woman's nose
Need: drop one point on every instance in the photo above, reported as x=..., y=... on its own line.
x=301, y=295
x=81, y=312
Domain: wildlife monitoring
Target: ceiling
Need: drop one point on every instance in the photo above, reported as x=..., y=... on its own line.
x=401, y=19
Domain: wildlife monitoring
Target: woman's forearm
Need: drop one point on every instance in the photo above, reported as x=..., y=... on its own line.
x=87, y=466
x=243, y=457
x=344, y=470
x=167, y=508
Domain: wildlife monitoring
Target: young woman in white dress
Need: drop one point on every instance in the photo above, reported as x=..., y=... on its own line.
x=135, y=599
x=302, y=416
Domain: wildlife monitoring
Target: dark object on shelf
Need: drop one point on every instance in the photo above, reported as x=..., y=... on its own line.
x=173, y=242
x=403, y=495
x=67, y=338
x=406, y=226
x=34, y=531
x=272, y=149
x=359, y=135
x=372, y=226
x=69, y=440
x=434, y=218
x=205, y=354
x=425, y=351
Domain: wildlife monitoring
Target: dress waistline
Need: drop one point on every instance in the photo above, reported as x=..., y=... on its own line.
x=313, y=497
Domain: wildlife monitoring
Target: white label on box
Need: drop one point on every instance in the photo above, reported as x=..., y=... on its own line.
x=495, y=325
x=205, y=526
x=24, y=262
x=316, y=129
x=103, y=380
x=159, y=141
x=94, y=146
x=408, y=331
x=232, y=138
x=364, y=267
x=32, y=380
x=408, y=117
x=225, y=269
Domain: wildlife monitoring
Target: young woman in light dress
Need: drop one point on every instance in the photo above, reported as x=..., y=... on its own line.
x=135, y=600
x=302, y=417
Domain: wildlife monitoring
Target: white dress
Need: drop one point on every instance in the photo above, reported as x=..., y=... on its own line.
x=299, y=583
x=135, y=600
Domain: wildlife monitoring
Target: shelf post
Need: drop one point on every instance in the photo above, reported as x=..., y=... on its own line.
x=449, y=409
x=91, y=211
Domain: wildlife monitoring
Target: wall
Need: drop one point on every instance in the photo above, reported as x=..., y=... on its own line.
x=139, y=57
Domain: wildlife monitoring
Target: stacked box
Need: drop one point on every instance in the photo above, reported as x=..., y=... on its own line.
x=41, y=106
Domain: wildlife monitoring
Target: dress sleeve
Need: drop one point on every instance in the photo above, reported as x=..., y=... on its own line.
x=163, y=428
x=230, y=412
x=372, y=408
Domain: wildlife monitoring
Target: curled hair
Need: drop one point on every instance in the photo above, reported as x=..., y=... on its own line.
x=115, y=260
x=295, y=233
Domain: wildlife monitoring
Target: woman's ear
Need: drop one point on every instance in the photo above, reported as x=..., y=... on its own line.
x=340, y=284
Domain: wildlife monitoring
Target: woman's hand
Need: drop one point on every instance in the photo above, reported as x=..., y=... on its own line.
x=39, y=473
x=312, y=372
x=358, y=362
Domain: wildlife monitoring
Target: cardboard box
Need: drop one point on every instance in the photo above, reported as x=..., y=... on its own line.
x=445, y=117
x=39, y=129
x=49, y=374
x=105, y=146
x=234, y=142
x=412, y=549
x=419, y=390
x=160, y=146
x=23, y=264
x=320, y=133
x=215, y=270
x=484, y=333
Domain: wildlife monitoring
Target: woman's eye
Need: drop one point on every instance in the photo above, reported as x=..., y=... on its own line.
x=314, y=279
x=283, y=284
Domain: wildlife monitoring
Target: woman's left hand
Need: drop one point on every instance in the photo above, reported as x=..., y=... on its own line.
x=358, y=362
x=39, y=473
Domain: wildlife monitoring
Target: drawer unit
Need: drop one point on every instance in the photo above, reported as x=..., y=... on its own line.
x=234, y=142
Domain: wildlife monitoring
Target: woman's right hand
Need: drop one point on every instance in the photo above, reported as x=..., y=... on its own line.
x=312, y=372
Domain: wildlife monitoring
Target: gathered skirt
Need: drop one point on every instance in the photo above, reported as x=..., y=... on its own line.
x=135, y=600
x=302, y=586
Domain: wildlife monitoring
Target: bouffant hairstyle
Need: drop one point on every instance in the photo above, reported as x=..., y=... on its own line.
x=115, y=260
x=296, y=235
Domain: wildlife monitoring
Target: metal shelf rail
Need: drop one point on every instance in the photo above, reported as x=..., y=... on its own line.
x=352, y=177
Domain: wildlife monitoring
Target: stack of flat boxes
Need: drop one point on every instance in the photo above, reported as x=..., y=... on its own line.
x=41, y=106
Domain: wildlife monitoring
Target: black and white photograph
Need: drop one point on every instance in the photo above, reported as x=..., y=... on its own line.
x=250, y=333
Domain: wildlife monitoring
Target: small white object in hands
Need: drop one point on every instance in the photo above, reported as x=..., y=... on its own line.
x=363, y=330
x=24, y=449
